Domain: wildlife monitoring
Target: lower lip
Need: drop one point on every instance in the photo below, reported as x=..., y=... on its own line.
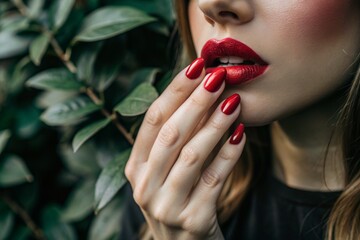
x=240, y=74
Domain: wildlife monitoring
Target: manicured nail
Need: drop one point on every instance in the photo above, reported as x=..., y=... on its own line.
x=230, y=104
x=214, y=80
x=195, y=68
x=238, y=134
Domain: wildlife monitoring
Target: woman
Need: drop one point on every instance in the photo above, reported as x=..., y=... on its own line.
x=287, y=71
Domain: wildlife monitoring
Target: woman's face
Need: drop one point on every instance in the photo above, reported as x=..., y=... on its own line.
x=309, y=45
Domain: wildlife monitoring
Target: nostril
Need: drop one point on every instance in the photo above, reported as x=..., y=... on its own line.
x=228, y=14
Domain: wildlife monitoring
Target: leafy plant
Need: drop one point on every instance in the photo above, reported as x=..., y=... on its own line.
x=76, y=78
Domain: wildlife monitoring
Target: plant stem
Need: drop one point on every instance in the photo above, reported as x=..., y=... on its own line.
x=21, y=6
x=113, y=118
x=89, y=91
x=64, y=57
x=38, y=233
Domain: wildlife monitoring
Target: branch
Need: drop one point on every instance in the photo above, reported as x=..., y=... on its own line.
x=21, y=6
x=113, y=118
x=65, y=58
x=38, y=233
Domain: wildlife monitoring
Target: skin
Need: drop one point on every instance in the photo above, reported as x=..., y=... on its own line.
x=311, y=49
x=310, y=46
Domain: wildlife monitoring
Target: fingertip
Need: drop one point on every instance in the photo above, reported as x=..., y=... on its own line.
x=237, y=135
x=230, y=104
x=195, y=69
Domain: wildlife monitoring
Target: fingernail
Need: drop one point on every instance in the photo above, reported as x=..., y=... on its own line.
x=195, y=68
x=238, y=134
x=230, y=104
x=214, y=80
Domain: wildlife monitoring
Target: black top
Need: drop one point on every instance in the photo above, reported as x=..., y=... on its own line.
x=271, y=211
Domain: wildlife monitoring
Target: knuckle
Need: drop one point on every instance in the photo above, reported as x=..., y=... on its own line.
x=154, y=116
x=198, y=102
x=227, y=155
x=160, y=214
x=140, y=197
x=168, y=135
x=191, y=226
x=211, y=177
x=188, y=156
x=216, y=123
x=177, y=89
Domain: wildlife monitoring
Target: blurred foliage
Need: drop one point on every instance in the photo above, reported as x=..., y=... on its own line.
x=76, y=78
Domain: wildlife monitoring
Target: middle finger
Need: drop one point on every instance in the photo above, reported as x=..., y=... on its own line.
x=176, y=131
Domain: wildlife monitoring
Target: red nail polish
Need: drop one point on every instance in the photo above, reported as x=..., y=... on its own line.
x=214, y=80
x=195, y=68
x=238, y=134
x=230, y=104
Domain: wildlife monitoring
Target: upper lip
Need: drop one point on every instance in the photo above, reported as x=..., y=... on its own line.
x=228, y=47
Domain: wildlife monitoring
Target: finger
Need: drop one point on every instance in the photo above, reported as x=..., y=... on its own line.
x=203, y=121
x=181, y=124
x=213, y=177
x=187, y=169
x=163, y=107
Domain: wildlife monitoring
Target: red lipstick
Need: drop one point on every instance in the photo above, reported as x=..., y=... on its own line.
x=241, y=62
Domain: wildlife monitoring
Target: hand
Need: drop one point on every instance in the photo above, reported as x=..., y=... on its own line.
x=175, y=190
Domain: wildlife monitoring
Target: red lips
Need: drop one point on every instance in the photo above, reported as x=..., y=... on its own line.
x=252, y=66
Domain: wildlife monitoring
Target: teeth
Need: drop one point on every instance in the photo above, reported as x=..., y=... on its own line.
x=231, y=60
x=235, y=60
x=224, y=60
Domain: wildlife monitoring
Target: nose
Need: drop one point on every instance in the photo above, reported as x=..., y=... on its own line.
x=226, y=11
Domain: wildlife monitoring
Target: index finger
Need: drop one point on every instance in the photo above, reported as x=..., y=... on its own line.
x=174, y=95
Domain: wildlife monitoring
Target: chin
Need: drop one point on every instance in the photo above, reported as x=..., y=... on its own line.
x=258, y=115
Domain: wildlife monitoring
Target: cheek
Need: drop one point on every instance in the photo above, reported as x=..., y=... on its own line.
x=315, y=19
x=326, y=18
x=197, y=22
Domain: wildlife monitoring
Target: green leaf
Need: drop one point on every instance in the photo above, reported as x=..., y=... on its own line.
x=83, y=162
x=27, y=122
x=86, y=60
x=55, y=79
x=105, y=73
x=13, y=171
x=6, y=223
x=80, y=202
x=138, y=101
x=35, y=7
x=106, y=224
x=69, y=112
x=111, y=21
x=38, y=48
x=54, y=228
x=4, y=137
x=110, y=181
x=15, y=44
x=14, y=23
x=60, y=12
x=87, y=132
x=162, y=9
x=52, y=97
x=23, y=70
x=144, y=75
